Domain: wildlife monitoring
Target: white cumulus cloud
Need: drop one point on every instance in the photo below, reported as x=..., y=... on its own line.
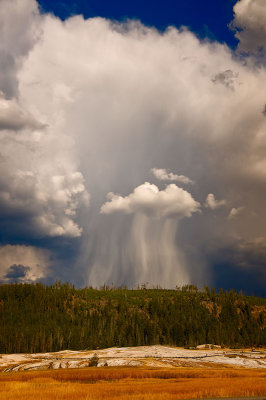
x=148, y=199
x=41, y=186
x=250, y=20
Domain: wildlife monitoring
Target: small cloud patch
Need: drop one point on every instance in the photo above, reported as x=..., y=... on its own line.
x=163, y=175
x=234, y=212
x=17, y=272
x=212, y=203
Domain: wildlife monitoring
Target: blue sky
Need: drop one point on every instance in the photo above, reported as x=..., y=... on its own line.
x=207, y=18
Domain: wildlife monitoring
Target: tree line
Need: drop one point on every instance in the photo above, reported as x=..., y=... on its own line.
x=40, y=318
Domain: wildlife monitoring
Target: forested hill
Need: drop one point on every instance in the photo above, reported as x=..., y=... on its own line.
x=38, y=318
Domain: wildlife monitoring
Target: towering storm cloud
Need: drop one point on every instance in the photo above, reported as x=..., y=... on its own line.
x=90, y=108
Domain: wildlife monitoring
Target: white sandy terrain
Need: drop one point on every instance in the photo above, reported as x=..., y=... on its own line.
x=150, y=356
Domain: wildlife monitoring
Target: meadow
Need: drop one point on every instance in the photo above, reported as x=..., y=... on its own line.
x=132, y=383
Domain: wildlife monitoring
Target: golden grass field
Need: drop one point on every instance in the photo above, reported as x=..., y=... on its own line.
x=132, y=383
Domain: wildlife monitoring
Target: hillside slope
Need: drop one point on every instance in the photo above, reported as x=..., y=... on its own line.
x=38, y=318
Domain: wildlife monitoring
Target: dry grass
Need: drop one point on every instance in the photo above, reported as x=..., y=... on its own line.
x=131, y=384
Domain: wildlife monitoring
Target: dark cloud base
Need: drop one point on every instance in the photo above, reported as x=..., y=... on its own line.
x=229, y=276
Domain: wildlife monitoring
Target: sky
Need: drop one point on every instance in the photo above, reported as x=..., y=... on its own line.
x=133, y=143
